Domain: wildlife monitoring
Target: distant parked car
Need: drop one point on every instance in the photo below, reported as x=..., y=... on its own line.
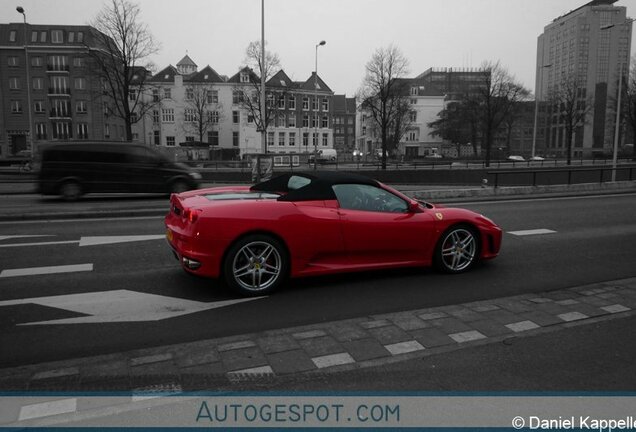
x=516, y=158
x=537, y=158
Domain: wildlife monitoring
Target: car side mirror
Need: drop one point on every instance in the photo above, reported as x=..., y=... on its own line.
x=414, y=207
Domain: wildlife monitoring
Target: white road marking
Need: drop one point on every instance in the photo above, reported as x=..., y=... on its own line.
x=91, y=241
x=2, y=238
x=46, y=270
x=120, y=306
x=102, y=240
x=532, y=232
x=46, y=409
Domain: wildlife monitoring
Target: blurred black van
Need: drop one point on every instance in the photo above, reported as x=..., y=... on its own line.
x=73, y=169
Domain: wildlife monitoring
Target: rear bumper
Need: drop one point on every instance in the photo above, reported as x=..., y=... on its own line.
x=190, y=257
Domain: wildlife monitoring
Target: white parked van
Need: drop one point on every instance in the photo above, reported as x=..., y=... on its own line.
x=325, y=155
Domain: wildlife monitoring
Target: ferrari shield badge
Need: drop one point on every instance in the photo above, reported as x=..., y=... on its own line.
x=439, y=216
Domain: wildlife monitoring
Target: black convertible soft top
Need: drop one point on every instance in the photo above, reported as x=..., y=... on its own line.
x=319, y=187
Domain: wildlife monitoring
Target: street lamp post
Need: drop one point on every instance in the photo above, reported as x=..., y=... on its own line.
x=20, y=9
x=317, y=107
x=618, y=104
x=536, y=108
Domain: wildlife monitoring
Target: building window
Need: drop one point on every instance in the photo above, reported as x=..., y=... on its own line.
x=57, y=36
x=413, y=101
x=43, y=39
x=155, y=116
x=170, y=141
x=60, y=108
x=57, y=63
x=71, y=37
x=281, y=139
x=213, y=96
x=325, y=104
x=38, y=83
x=62, y=130
x=291, y=121
x=237, y=97
x=155, y=95
x=80, y=107
x=412, y=136
x=314, y=121
x=167, y=115
x=59, y=85
x=189, y=93
x=38, y=106
x=36, y=61
x=189, y=139
x=235, y=117
x=291, y=102
x=235, y=139
x=305, y=120
x=413, y=91
x=314, y=103
x=132, y=94
x=305, y=139
x=314, y=139
x=305, y=103
x=213, y=117
x=82, y=131
x=270, y=139
x=80, y=83
x=40, y=131
x=281, y=102
x=325, y=122
x=133, y=117
x=80, y=37
x=16, y=107
x=213, y=138
x=14, y=83
x=34, y=36
x=13, y=61
x=78, y=62
x=189, y=115
x=325, y=140
x=413, y=116
x=167, y=94
x=244, y=77
x=156, y=137
x=12, y=36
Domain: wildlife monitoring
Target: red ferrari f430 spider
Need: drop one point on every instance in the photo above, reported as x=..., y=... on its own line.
x=307, y=224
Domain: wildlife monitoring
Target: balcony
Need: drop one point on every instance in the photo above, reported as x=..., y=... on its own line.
x=59, y=91
x=59, y=114
x=57, y=68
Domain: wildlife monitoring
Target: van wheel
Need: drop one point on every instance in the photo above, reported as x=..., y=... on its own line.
x=70, y=190
x=178, y=186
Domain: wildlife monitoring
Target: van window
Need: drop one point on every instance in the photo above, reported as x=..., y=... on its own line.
x=142, y=155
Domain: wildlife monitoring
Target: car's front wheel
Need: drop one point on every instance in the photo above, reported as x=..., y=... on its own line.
x=256, y=265
x=458, y=249
x=70, y=190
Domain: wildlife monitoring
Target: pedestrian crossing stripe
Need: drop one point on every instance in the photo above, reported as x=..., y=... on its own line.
x=32, y=271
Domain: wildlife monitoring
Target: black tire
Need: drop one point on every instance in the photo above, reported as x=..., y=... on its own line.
x=179, y=186
x=457, y=250
x=71, y=190
x=256, y=265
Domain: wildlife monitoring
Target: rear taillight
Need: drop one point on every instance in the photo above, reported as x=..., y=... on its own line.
x=190, y=215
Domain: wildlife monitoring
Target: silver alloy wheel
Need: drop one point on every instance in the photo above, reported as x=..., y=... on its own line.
x=257, y=266
x=458, y=249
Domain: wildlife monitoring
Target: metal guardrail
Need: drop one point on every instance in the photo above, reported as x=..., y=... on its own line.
x=535, y=173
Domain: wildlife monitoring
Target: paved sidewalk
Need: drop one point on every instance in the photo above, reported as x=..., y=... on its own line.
x=333, y=346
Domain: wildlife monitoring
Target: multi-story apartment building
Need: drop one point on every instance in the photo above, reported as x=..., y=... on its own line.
x=425, y=101
x=453, y=82
x=301, y=112
x=47, y=90
x=590, y=45
x=344, y=126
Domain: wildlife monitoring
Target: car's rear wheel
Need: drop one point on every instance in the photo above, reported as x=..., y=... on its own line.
x=256, y=265
x=70, y=190
x=457, y=250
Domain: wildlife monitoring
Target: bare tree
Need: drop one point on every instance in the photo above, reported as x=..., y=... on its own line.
x=383, y=95
x=568, y=101
x=120, y=62
x=495, y=98
x=249, y=91
x=201, y=115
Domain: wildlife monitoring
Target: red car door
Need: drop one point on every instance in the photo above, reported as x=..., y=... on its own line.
x=378, y=228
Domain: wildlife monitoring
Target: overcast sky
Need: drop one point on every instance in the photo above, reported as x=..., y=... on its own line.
x=430, y=33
